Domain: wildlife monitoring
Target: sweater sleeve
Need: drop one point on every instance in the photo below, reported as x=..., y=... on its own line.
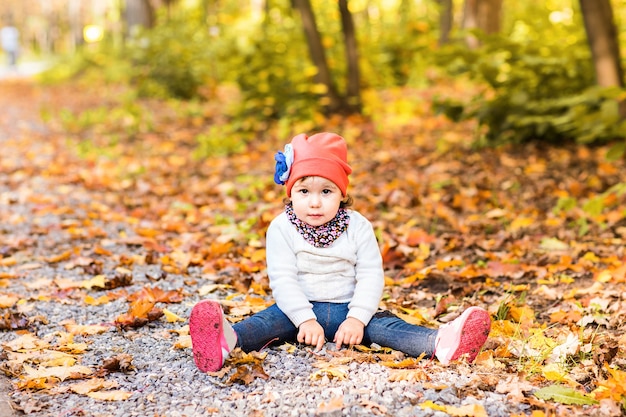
x=370, y=279
x=283, y=274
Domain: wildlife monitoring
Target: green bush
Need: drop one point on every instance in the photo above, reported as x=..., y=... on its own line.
x=172, y=60
x=535, y=91
x=271, y=67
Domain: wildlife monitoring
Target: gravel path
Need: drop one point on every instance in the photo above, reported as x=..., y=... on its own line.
x=41, y=219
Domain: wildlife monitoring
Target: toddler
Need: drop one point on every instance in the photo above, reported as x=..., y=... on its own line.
x=326, y=274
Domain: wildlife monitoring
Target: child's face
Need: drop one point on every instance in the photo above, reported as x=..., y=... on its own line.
x=316, y=200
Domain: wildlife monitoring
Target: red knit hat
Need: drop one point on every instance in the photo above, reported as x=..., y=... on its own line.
x=322, y=155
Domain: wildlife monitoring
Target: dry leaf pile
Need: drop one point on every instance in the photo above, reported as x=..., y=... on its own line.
x=457, y=227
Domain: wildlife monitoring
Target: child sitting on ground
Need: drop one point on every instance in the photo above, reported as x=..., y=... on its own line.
x=326, y=274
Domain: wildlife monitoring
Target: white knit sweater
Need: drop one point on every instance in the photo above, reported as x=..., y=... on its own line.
x=348, y=271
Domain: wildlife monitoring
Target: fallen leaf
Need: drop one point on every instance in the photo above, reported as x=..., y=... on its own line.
x=93, y=384
x=331, y=371
x=410, y=375
x=110, y=395
x=564, y=395
x=334, y=404
x=60, y=372
x=86, y=329
x=8, y=300
x=26, y=341
x=172, y=317
x=183, y=342
x=13, y=321
x=59, y=258
x=118, y=363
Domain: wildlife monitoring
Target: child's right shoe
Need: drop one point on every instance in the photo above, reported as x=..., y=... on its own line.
x=464, y=335
x=212, y=337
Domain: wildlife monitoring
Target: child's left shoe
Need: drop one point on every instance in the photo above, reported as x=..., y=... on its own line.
x=212, y=337
x=465, y=335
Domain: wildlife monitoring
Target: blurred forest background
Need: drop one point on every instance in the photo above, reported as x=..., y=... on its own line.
x=525, y=71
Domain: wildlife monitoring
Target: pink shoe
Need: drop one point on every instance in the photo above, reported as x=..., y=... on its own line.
x=465, y=335
x=212, y=337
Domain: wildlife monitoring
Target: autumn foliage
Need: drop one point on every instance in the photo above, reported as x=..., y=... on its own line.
x=456, y=227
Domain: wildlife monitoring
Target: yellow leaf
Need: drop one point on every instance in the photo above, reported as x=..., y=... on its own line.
x=521, y=223
x=85, y=329
x=98, y=281
x=604, y=276
x=411, y=375
x=74, y=348
x=412, y=316
x=103, y=299
x=432, y=406
x=443, y=264
x=522, y=315
x=553, y=372
x=37, y=383
x=209, y=288
x=183, y=342
x=288, y=347
x=171, y=317
x=613, y=387
x=504, y=328
x=258, y=288
x=59, y=372
x=592, y=257
x=330, y=370
x=183, y=331
x=239, y=357
x=26, y=341
x=517, y=288
x=258, y=255
x=110, y=395
x=90, y=385
x=424, y=251
x=406, y=363
x=55, y=358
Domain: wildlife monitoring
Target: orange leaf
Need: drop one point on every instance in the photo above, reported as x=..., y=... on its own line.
x=59, y=258
x=10, y=261
x=335, y=404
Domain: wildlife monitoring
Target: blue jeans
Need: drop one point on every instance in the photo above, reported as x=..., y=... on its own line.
x=385, y=329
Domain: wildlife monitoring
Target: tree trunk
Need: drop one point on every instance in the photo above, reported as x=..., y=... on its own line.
x=76, y=25
x=318, y=54
x=602, y=37
x=445, y=21
x=138, y=13
x=484, y=15
x=353, y=91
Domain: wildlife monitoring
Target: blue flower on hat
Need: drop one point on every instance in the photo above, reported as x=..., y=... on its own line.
x=284, y=160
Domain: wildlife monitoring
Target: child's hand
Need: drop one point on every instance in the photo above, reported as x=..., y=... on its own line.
x=312, y=333
x=350, y=332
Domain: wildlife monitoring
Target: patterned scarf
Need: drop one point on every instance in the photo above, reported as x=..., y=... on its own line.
x=321, y=236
